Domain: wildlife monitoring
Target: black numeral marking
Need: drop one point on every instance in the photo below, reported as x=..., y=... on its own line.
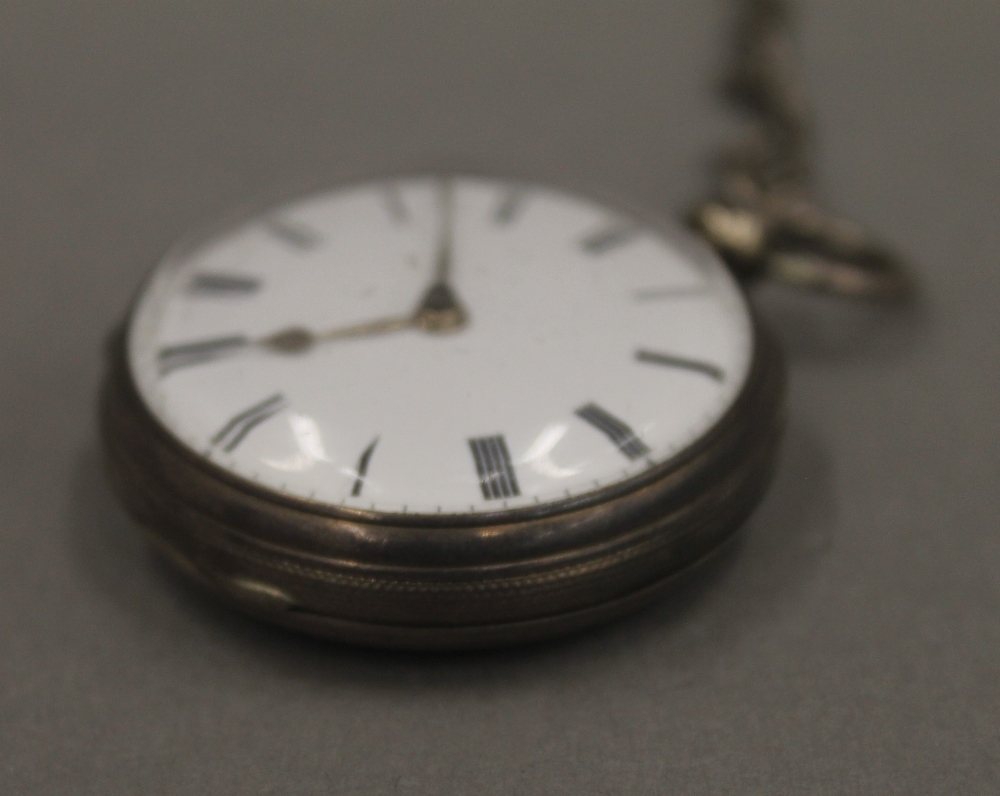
x=605, y=240
x=496, y=473
x=658, y=293
x=395, y=206
x=510, y=206
x=619, y=432
x=295, y=235
x=362, y=469
x=173, y=357
x=670, y=361
x=234, y=432
x=212, y=285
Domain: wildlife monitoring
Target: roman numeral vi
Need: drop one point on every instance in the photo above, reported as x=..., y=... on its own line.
x=497, y=478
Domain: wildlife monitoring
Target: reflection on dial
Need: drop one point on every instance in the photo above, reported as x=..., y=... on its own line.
x=440, y=345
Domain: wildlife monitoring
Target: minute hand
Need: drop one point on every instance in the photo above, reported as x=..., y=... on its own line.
x=439, y=310
x=446, y=232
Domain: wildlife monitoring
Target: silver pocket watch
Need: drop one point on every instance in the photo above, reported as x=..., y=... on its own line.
x=448, y=411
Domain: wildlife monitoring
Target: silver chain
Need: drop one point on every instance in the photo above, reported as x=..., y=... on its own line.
x=763, y=217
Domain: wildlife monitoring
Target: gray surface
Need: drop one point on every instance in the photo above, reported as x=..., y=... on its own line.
x=851, y=645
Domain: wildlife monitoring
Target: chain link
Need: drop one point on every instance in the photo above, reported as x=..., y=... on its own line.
x=763, y=218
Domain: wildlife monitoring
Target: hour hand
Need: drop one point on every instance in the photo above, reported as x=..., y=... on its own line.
x=438, y=312
x=297, y=340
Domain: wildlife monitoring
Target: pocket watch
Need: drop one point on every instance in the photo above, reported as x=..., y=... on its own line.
x=449, y=411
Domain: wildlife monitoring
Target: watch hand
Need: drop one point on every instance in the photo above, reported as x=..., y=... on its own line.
x=439, y=310
x=296, y=340
x=446, y=199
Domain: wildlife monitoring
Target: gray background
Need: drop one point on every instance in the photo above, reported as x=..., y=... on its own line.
x=850, y=646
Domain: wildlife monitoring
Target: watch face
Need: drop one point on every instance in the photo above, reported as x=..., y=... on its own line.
x=440, y=346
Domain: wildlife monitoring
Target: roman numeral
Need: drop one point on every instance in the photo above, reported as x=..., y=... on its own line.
x=659, y=293
x=619, y=432
x=496, y=473
x=604, y=240
x=234, y=432
x=362, y=469
x=395, y=206
x=295, y=235
x=222, y=285
x=185, y=355
x=510, y=206
x=670, y=361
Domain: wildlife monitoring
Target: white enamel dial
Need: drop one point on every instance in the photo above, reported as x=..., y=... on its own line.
x=440, y=345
